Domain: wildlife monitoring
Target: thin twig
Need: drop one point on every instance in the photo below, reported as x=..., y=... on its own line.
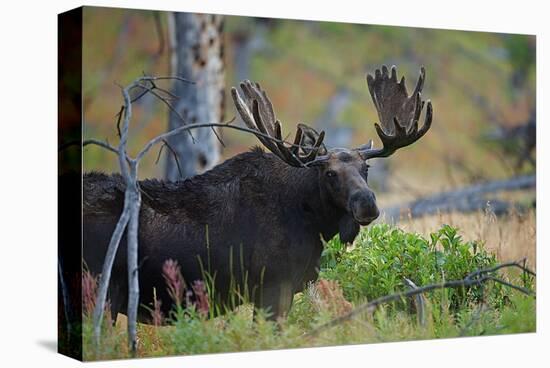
x=169, y=77
x=510, y=285
x=144, y=192
x=119, y=116
x=518, y=264
x=168, y=104
x=174, y=154
x=97, y=142
x=170, y=94
x=218, y=137
x=138, y=84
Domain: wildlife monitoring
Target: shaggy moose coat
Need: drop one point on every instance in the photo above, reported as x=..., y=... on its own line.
x=253, y=223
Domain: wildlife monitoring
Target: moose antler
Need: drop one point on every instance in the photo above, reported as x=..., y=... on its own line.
x=398, y=112
x=257, y=113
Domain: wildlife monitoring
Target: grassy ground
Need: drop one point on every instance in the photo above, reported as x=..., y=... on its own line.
x=422, y=250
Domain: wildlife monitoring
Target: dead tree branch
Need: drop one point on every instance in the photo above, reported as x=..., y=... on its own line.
x=105, y=145
x=419, y=303
x=475, y=278
x=174, y=154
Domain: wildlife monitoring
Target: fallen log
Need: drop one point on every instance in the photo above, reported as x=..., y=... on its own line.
x=469, y=199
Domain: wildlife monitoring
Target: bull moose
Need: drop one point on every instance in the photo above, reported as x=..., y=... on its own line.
x=257, y=221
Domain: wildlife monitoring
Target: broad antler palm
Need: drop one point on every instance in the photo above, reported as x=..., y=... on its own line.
x=257, y=113
x=398, y=112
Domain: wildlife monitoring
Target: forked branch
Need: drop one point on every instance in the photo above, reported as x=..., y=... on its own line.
x=129, y=219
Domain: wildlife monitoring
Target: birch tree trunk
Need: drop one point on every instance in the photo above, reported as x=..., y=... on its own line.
x=197, y=53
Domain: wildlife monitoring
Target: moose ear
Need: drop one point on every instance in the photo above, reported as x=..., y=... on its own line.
x=348, y=229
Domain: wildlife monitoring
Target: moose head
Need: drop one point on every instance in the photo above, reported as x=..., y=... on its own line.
x=343, y=172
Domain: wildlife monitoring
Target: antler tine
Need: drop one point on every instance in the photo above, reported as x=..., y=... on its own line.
x=244, y=109
x=420, y=82
x=253, y=92
x=297, y=141
x=316, y=147
x=259, y=122
x=257, y=112
x=398, y=112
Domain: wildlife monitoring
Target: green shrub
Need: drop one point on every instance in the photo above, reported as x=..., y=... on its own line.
x=383, y=256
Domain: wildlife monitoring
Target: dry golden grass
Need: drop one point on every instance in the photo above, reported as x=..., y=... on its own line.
x=510, y=237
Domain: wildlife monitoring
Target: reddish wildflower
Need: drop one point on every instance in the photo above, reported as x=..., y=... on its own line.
x=172, y=275
x=89, y=291
x=196, y=297
x=201, y=297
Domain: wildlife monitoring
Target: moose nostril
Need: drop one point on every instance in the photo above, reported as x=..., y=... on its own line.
x=363, y=207
x=363, y=200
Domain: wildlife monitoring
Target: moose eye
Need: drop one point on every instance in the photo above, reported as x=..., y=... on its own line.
x=364, y=171
x=331, y=174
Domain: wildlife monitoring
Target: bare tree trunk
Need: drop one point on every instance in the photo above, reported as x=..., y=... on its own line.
x=196, y=54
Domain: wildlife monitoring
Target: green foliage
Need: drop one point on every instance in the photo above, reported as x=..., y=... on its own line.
x=384, y=256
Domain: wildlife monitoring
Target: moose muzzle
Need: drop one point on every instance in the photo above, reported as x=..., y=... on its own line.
x=363, y=207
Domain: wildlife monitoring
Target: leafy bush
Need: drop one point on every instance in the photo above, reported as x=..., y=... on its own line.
x=383, y=256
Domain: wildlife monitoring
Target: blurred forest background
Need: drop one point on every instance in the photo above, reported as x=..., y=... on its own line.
x=482, y=86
